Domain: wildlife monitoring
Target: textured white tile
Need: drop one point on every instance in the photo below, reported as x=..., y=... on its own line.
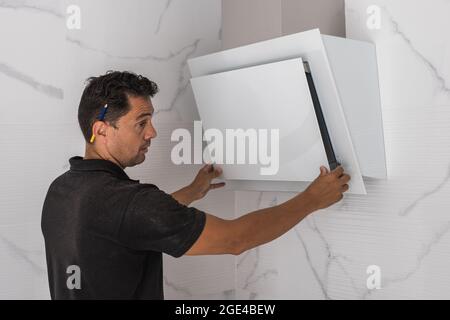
x=24, y=269
x=33, y=53
x=327, y=254
x=33, y=155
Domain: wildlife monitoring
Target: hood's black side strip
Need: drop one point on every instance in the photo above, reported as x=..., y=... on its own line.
x=332, y=161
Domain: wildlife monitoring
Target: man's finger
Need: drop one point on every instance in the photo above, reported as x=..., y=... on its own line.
x=338, y=171
x=207, y=168
x=216, y=185
x=323, y=170
x=345, y=178
x=217, y=172
x=213, y=171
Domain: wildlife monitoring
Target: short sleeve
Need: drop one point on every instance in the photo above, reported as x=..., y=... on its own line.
x=155, y=221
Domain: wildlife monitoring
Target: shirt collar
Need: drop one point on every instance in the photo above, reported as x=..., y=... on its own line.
x=77, y=163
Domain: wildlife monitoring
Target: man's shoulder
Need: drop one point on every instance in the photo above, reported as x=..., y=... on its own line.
x=100, y=184
x=58, y=180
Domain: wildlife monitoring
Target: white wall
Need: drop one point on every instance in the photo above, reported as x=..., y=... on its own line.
x=43, y=66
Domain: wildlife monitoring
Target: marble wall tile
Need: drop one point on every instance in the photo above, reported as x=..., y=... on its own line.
x=413, y=49
x=24, y=269
x=402, y=225
x=326, y=256
x=43, y=67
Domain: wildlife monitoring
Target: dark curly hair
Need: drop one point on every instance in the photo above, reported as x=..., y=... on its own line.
x=113, y=89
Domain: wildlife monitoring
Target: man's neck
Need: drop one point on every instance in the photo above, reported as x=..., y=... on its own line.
x=91, y=153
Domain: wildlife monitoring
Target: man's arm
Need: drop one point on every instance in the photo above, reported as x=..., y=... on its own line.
x=185, y=195
x=221, y=236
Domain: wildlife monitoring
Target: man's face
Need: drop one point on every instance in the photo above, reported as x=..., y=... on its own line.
x=131, y=140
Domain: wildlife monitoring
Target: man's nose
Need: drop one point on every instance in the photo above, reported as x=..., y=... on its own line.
x=151, y=132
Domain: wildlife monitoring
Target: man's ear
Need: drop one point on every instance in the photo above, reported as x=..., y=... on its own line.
x=99, y=128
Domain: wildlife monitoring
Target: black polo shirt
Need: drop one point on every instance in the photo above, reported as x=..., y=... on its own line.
x=114, y=229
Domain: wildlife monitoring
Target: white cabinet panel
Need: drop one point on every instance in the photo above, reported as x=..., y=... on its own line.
x=268, y=97
x=355, y=71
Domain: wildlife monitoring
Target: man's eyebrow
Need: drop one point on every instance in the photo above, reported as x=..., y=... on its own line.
x=144, y=115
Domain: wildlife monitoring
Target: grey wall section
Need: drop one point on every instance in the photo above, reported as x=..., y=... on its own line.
x=249, y=21
x=302, y=15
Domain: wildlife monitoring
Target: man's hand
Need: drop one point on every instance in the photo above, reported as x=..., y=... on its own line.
x=203, y=181
x=328, y=188
x=200, y=186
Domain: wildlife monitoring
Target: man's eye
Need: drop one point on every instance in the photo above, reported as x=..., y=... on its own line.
x=142, y=124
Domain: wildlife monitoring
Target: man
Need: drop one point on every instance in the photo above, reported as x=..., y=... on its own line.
x=105, y=233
